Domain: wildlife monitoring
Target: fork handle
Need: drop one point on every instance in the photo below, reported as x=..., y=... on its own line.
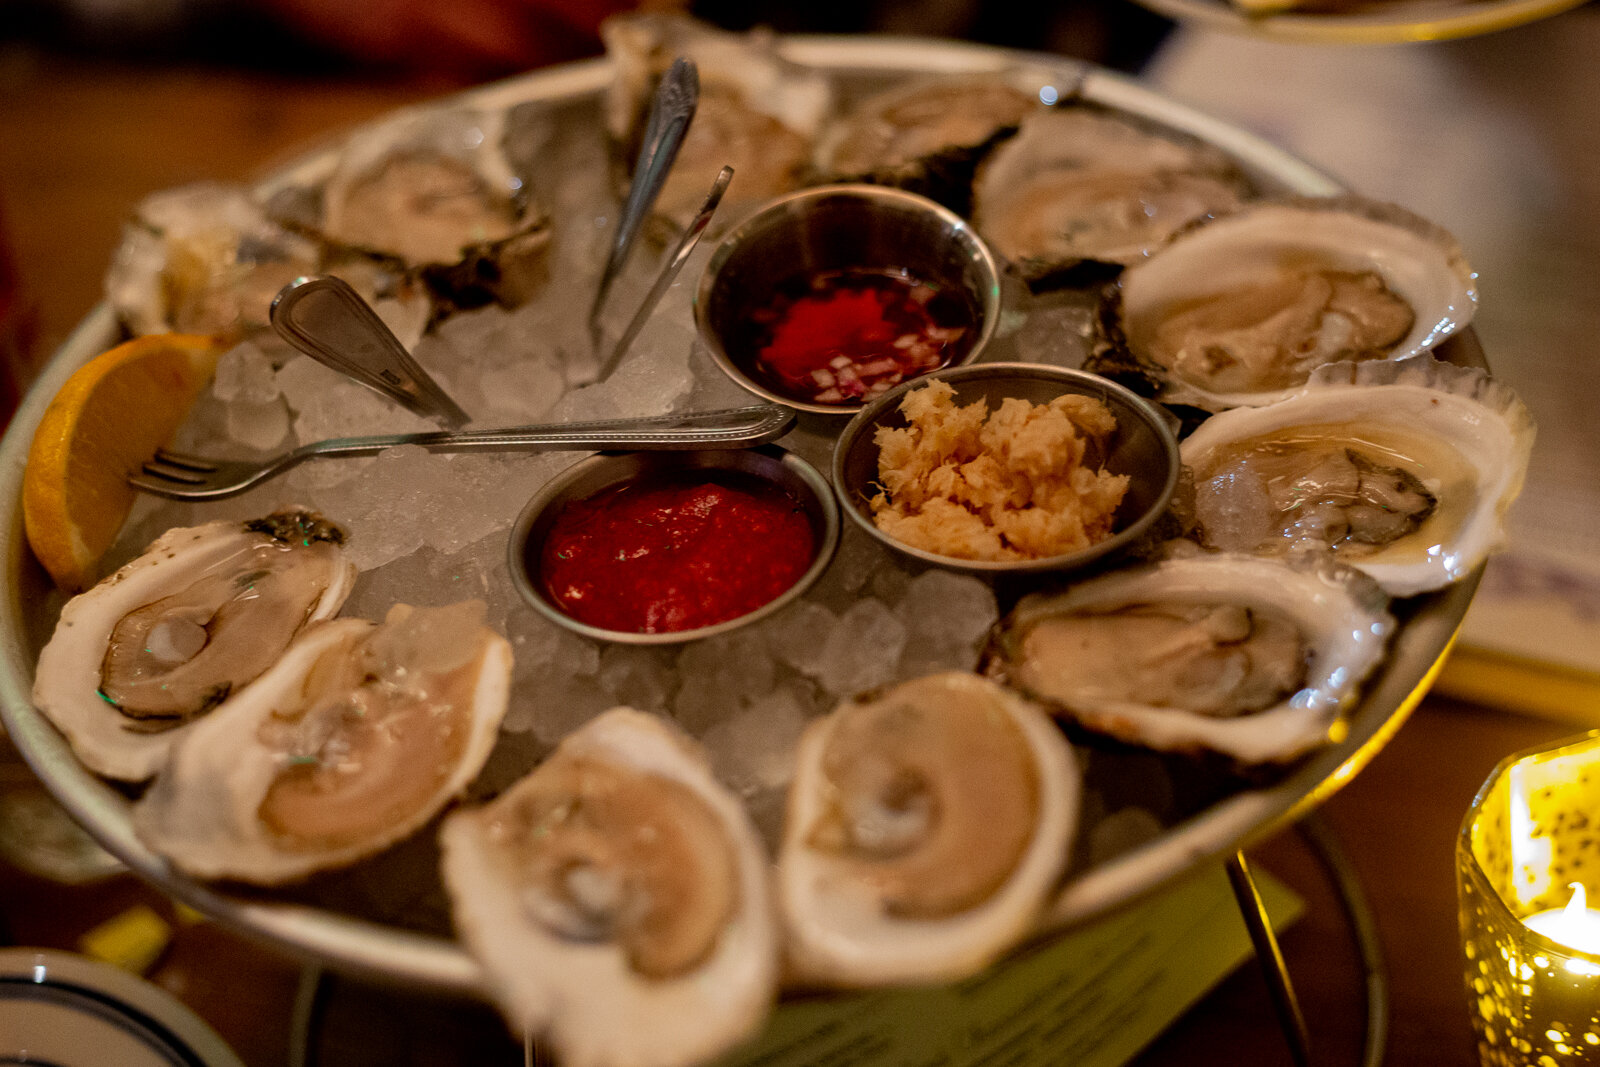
x=727, y=428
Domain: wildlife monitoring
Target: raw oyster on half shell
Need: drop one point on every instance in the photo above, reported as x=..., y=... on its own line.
x=352, y=741
x=925, y=828
x=431, y=194
x=618, y=898
x=1250, y=657
x=1240, y=309
x=1404, y=469
x=1083, y=184
x=203, y=258
x=928, y=134
x=135, y=661
x=757, y=113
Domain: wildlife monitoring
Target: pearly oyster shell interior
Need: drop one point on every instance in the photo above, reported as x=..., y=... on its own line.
x=350, y=742
x=1240, y=309
x=1404, y=469
x=141, y=657
x=1249, y=657
x=1080, y=183
x=618, y=899
x=924, y=829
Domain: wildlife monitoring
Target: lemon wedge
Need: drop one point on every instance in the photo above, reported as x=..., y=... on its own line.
x=107, y=420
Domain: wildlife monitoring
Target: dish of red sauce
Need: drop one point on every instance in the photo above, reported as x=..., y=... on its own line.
x=675, y=553
x=845, y=336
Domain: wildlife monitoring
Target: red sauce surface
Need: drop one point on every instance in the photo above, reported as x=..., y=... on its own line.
x=655, y=556
x=846, y=336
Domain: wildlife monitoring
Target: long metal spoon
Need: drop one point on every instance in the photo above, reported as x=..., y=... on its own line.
x=671, y=111
x=330, y=322
x=686, y=243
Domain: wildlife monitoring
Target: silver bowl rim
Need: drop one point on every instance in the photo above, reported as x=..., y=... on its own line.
x=868, y=416
x=989, y=311
x=553, y=493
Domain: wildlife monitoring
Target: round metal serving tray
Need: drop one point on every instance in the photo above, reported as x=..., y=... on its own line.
x=362, y=946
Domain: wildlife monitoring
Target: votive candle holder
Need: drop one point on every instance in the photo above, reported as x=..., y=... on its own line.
x=1532, y=833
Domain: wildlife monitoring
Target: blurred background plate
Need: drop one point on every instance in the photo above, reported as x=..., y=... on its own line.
x=70, y=1011
x=1383, y=22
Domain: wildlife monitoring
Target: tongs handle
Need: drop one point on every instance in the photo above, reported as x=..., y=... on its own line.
x=330, y=322
x=671, y=110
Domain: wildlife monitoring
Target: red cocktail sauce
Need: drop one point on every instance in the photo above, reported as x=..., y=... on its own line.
x=663, y=555
x=846, y=336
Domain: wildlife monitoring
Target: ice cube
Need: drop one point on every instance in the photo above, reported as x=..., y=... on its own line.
x=1235, y=508
x=720, y=675
x=244, y=372
x=755, y=749
x=637, y=676
x=796, y=635
x=863, y=651
x=947, y=616
x=261, y=426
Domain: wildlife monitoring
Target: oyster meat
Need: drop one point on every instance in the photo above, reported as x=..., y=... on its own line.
x=432, y=194
x=757, y=112
x=352, y=741
x=1081, y=183
x=1240, y=309
x=925, y=828
x=1404, y=470
x=140, y=657
x=618, y=898
x=1250, y=657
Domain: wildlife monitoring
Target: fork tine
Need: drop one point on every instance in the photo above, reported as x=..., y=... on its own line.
x=170, y=474
x=184, y=460
x=165, y=488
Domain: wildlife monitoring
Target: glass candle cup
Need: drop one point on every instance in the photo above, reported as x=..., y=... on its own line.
x=1529, y=849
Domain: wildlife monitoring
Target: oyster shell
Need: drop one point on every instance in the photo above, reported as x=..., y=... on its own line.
x=1250, y=657
x=203, y=258
x=1080, y=184
x=431, y=194
x=1404, y=469
x=925, y=828
x=1238, y=310
x=141, y=656
x=618, y=899
x=352, y=741
x=757, y=112
x=928, y=134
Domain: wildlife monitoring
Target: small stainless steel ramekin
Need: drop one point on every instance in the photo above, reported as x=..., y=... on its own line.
x=1144, y=448
x=832, y=228
x=604, y=470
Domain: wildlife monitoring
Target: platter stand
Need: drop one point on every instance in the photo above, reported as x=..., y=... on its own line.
x=1325, y=846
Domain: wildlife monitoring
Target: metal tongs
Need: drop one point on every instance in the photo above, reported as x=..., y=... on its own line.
x=675, y=262
x=330, y=322
x=671, y=110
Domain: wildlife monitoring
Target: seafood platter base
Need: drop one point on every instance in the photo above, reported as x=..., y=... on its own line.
x=343, y=933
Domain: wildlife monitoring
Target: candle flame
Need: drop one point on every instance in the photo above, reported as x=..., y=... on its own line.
x=1579, y=903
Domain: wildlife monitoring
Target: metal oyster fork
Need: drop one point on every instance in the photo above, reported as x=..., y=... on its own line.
x=184, y=477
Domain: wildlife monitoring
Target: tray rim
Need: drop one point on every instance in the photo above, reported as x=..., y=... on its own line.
x=1413, y=23
x=405, y=957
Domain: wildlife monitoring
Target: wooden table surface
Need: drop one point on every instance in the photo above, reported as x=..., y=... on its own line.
x=81, y=143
